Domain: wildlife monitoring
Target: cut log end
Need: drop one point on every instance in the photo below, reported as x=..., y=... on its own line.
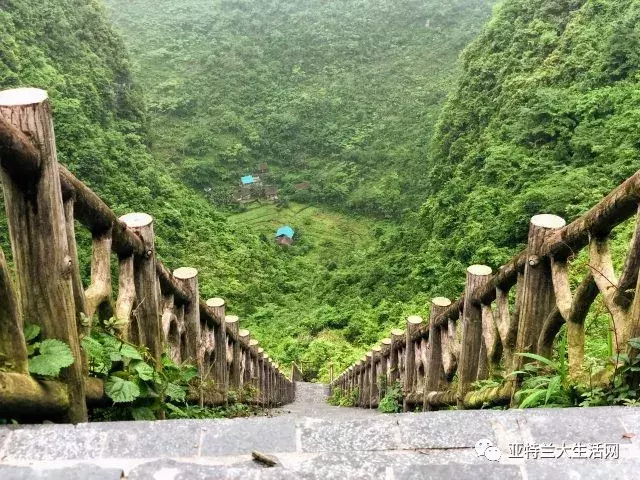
x=137, y=220
x=479, y=270
x=231, y=319
x=377, y=348
x=215, y=302
x=441, y=302
x=546, y=220
x=386, y=341
x=369, y=354
x=414, y=320
x=185, y=273
x=22, y=96
x=260, y=350
x=244, y=333
x=253, y=342
x=397, y=332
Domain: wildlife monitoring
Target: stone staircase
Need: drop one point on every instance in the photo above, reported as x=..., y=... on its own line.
x=312, y=440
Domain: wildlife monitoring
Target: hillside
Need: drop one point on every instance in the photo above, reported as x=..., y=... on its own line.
x=341, y=94
x=307, y=303
x=541, y=121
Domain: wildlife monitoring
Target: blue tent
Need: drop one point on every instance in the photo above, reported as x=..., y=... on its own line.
x=286, y=231
x=247, y=180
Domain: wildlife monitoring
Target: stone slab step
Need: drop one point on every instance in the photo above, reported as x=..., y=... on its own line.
x=364, y=448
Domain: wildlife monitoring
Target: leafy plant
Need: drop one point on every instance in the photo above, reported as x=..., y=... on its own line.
x=621, y=389
x=341, y=398
x=391, y=402
x=545, y=381
x=48, y=357
x=131, y=379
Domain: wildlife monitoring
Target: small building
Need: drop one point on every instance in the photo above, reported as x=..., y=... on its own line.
x=263, y=168
x=284, y=235
x=248, y=180
x=271, y=193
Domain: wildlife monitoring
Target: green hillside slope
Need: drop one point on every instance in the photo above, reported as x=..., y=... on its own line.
x=343, y=94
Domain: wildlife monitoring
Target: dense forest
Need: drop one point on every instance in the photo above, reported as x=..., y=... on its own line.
x=422, y=156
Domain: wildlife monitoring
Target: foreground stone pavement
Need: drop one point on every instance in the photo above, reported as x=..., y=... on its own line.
x=312, y=440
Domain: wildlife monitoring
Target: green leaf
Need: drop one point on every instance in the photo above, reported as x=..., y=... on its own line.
x=176, y=392
x=635, y=343
x=142, y=413
x=539, y=358
x=120, y=390
x=129, y=351
x=53, y=355
x=533, y=398
x=144, y=370
x=189, y=373
x=31, y=331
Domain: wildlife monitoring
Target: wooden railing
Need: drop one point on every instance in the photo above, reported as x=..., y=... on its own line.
x=520, y=308
x=155, y=308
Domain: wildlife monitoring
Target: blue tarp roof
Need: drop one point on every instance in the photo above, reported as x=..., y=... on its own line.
x=286, y=231
x=247, y=179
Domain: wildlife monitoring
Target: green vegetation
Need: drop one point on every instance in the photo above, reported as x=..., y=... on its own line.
x=407, y=187
x=391, y=402
x=340, y=398
x=343, y=94
x=46, y=357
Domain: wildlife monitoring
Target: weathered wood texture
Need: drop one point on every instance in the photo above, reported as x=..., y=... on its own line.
x=154, y=307
x=483, y=330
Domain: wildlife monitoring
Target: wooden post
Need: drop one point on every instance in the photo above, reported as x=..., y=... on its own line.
x=538, y=299
x=76, y=279
x=262, y=381
x=220, y=337
x=13, y=350
x=231, y=322
x=361, y=384
x=245, y=354
x=145, y=279
x=35, y=214
x=410, y=375
x=99, y=292
x=397, y=338
x=477, y=277
x=434, y=375
x=187, y=278
x=385, y=351
x=127, y=299
x=375, y=391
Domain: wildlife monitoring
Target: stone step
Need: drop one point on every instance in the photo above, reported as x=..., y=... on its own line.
x=382, y=446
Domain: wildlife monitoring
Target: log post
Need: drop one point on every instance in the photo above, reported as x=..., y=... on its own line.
x=477, y=277
x=410, y=374
x=537, y=297
x=361, y=384
x=99, y=292
x=145, y=278
x=262, y=381
x=187, y=278
x=245, y=337
x=221, y=376
x=255, y=377
x=385, y=352
x=375, y=390
x=397, y=338
x=35, y=214
x=76, y=279
x=13, y=350
x=231, y=322
x=126, y=300
x=370, y=375
x=434, y=375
